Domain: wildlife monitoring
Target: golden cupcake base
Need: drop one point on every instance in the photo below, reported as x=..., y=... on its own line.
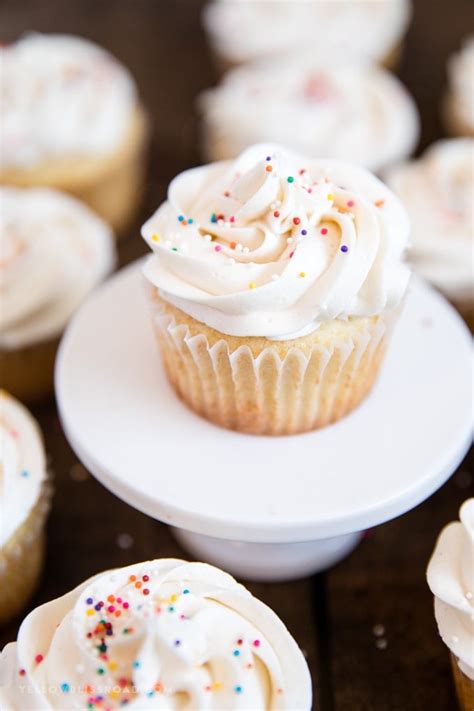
x=259, y=386
x=464, y=686
x=111, y=185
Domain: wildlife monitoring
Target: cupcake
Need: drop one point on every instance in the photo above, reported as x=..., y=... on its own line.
x=71, y=120
x=24, y=503
x=161, y=634
x=54, y=250
x=437, y=191
x=459, y=102
x=451, y=580
x=244, y=30
x=273, y=284
x=353, y=110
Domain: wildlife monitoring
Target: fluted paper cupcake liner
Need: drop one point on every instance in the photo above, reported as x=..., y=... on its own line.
x=281, y=388
x=21, y=559
x=464, y=686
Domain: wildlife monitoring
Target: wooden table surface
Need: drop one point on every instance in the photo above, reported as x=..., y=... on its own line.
x=367, y=625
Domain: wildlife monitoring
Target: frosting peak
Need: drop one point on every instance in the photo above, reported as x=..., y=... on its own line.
x=272, y=244
x=159, y=635
x=451, y=580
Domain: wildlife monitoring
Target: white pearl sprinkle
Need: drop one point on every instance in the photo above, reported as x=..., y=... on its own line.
x=246, y=250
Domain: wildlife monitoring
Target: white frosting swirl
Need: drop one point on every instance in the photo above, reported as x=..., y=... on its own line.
x=247, y=29
x=437, y=191
x=22, y=466
x=54, y=250
x=451, y=580
x=165, y=634
x=461, y=77
x=352, y=111
x=61, y=97
x=272, y=244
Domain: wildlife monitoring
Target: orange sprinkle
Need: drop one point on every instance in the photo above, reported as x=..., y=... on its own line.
x=111, y=598
x=138, y=585
x=233, y=245
x=269, y=168
x=132, y=578
x=379, y=203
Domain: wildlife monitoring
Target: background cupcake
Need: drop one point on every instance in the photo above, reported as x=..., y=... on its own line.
x=70, y=119
x=156, y=635
x=274, y=283
x=451, y=579
x=322, y=108
x=54, y=251
x=437, y=191
x=243, y=30
x=459, y=102
x=24, y=503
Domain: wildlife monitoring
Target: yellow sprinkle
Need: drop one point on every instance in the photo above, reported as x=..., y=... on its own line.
x=173, y=598
x=112, y=666
x=89, y=613
x=114, y=694
x=302, y=274
x=156, y=238
x=252, y=285
x=330, y=196
x=217, y=686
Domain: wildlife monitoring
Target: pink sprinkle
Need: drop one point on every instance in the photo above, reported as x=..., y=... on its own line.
x=292, y=253
x=119, y=600
x=111, y=608
x=256, y=643
x=350, y=203
x=324, y=231
x=218, y=248
x=232, y=219
x=126, y=605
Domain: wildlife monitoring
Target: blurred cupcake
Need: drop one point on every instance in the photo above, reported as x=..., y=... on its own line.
x=54, y=250
x=437, y=191
x=273, y=284
x=24, y=503
x=451, y=579
x=161, y=634
x=459, y=102
x=353, y=111
x=244, y=30
x=71, y=120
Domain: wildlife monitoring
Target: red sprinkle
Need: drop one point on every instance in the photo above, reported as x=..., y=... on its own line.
x=146, y=578
x=146, y=591
x=276, y=214
x=296, y=220
x=39, y=658
x=324, y=231
x=350, y=203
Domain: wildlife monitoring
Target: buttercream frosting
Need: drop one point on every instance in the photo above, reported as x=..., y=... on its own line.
x=61, y=97
x=461, y=84
x=53, y=251
x=247, y=29
x=353, y=111
x=164, y=634
x=271, y=244
x=22, y=466
x=451, y=580
x=437, y=191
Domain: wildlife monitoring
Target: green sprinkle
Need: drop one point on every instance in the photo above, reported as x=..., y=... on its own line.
x=290, y=179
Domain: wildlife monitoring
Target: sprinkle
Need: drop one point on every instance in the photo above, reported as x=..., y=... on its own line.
x=177, y=643
x=218, y=248
x=246, y=250
x=304, y=233
x=379, y=203
x=269, y=168
x=132, y=578
x=65, y=688
x=89, y=601
x=138, y=585
x=156, y=238
x=233, y=245
x=25, y=473
x=249, y=665
x=302, y=275
x=256, y=643
x=290, y=255
x=350, y=203
x=324, y=231
x=174, y=249
x=296, y=220
x=240, y=641
x=344, y=248
x=101, y=671
x=236, y=653
x=173, y=598
x=238, y=689
x=111, y=598
x=126, y=605
x=39, y=658
x=145, y=578
x=136, y=664
x=22, y=672
x=89, y=613
x=252, y=285
x=146, y=591
x=171, y=608
x=190, y=221
x=232, y=218
x=268, y=158
x=290, y=179
x=180, y=218
x=276, y=214
x=330, y=197
x=226, y=193
x=213, y=217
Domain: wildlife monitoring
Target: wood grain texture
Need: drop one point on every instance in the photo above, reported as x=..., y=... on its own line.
x=333, y=616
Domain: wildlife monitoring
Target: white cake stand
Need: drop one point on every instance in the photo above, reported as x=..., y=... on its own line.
x=267, y=508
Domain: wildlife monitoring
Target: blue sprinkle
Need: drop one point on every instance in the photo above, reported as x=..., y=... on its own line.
x=213, y=217
x=238, y=689
x=344, y=248
x=89, y=601
x=65, y=688
x=180, y=218
x=186, y=591
x=304, y=232
x=25, y=473
x=190, y=221
x=236, y=653
x=136, y=664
